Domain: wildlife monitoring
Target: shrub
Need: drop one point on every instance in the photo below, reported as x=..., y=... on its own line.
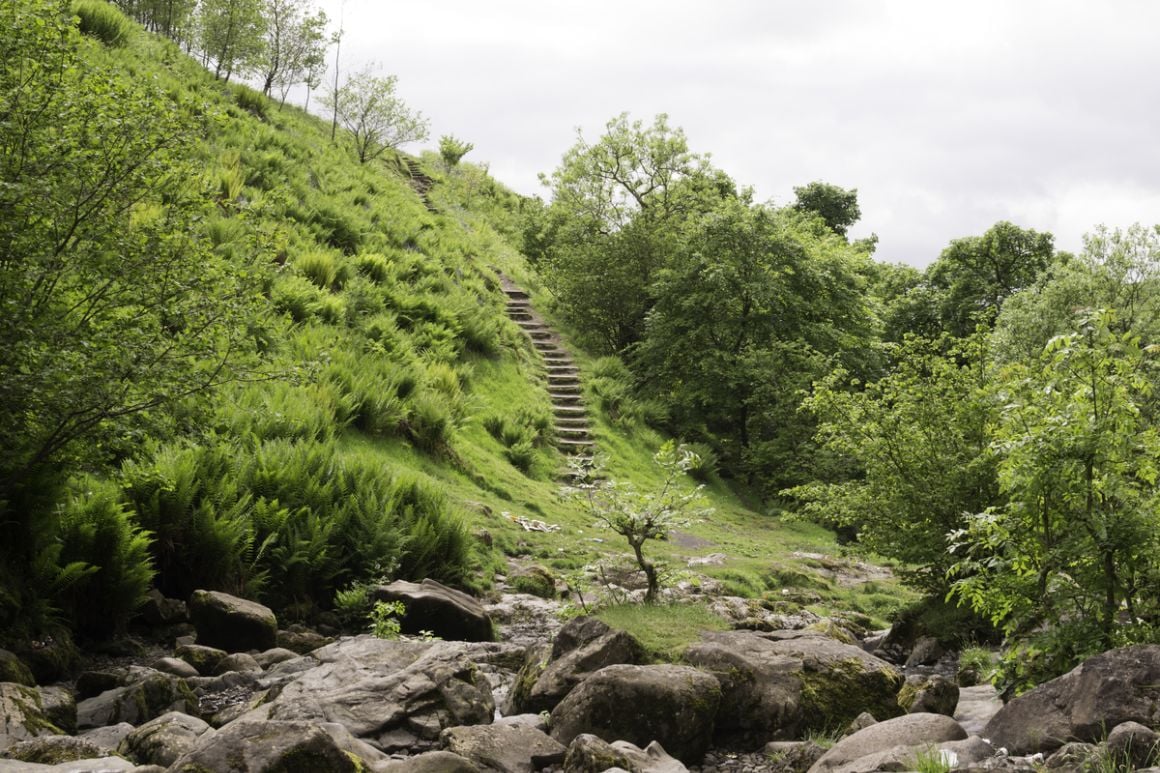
x=253, y=102
x=321, y=268
x=384, y=619
x=297, y=296
x=336, y=229
x=374, y=267
x=276, y=409
x=103, y=21
x=429, y=423
x=705, y=462
x=98, y=530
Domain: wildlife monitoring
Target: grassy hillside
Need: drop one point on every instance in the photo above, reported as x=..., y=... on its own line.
x=391, y=422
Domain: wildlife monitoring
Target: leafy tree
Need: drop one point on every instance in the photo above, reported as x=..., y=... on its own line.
x=746, y=315
x=618, y=208
x=376, y=118
x=976, y=274
x=1075, y=546
x=452, y=149
x=916, y=440
x=232, y=35
x=295, y=41
x=112, y=309
x=838, y=207
x=641, y=516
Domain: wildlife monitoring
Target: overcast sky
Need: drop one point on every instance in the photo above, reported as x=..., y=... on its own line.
x=946, y=117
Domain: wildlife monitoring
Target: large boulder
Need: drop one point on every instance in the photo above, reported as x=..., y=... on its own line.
x=783, y=684
x=55, y=749
x=111, y=764
x=230, y=623
x=22, y=715
x=268, y=747
x=504, y=748
x=396, y=695
x=934, y=694
x=590, y=754
x=1121, y=685
x=912, y=730
x=12, y=669
x=431, y=606
x=150, y=695
x=673, y=705
x=163, y=740
x=428, y=762
x=584, y=646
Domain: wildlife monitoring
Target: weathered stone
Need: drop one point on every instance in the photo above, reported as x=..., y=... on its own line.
x=782, y=684
x=21, y=715
x=175, y=667
x=302, y=640
x=1072, y=756
x=237, y=662
x=905, y=731
x=503, y=748
x=926, y=652
x=55, y=749
x=159, y=610
x=591, y=754
x=266, y=747
x=12, y=669
x=273, y=656
x=538, y=721
x=582, y=648
x=673, y=705
x=230, y=623
x=1133, y=745
x=101, y=765
x=161, y=741
x=860, y=722
x=796, y=756
x=428, y=762
x=431, y=606
x=60, y=706
x=151, y=696
x=1121, y=685
x=107, y=737
x=934, y=694
x=535, y=580
x=651, y=759
x=204, y=659
x=397, y=695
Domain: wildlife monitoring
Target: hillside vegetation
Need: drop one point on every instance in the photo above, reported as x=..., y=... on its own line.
x=237, y=358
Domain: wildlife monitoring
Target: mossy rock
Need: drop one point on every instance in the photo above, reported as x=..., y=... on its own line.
x=13, y=669
x=535, y=580
x=22, y=715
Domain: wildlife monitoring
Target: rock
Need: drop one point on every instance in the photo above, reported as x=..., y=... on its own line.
x=1121, y=685
x=976, y=707
x=149, y=697
x=780, y=685
x=175, y=667
x=161, y=741
x=1072, y=756
x=428, y=762
x=591, y=754
x=651, y=759
x=538, y=721
x=302, y=640
x=12, y=669
x=60, y=706
x=50, y=659
x=581, y=649
x=860, y=722
x=431, y=606
x=906, y=731
x=230, y=623
x=1133, y=745
x=829, y=628
x=204, y=659
x=273, y=656
x=107, y=737
x=238, y=662
x=21, y=715
x=534, y=580
x=795, y=756
x=933, y=694
x=926, y=652
x=503, y=748
x=397, y=695
x=160, y=611
x=673, y=705
x=254, y=747
x=55, y=749
x=109, y=764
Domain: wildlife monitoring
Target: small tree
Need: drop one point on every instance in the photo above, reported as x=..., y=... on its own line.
x=376, y=118
x=640, y=516
x=453, y=149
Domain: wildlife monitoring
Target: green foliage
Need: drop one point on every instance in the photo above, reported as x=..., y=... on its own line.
x=452, y=149
x=253, y=102
x=976, y=666
x=665, y=630
x=918, y=455
x=1075, y=544
x=366, y=105
x=100, y=20
x=640, y=516
x=933, y=760
x=384, y=619
x=230, y=33
x=836, y=206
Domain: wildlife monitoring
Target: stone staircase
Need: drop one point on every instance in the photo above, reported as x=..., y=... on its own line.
x=573, y=434
x=419, y=180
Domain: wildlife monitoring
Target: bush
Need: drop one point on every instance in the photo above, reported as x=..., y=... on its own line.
x=98, y=530
x=429, y=423
x=297, y=296
x=704, y=463
x=103, y=21
x=253, y=102
x=322, y=268
x=374, y=267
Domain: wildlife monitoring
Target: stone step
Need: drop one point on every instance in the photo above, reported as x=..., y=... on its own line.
x=565, y=426
x=569, y=410
x=539, y=334
x=571, y=433
x=516, y=295
x=563, y=380
x=519, y=315
x=575, y=446
x=560, y=398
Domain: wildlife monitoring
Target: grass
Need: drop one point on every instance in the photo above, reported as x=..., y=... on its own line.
x=665, y=630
